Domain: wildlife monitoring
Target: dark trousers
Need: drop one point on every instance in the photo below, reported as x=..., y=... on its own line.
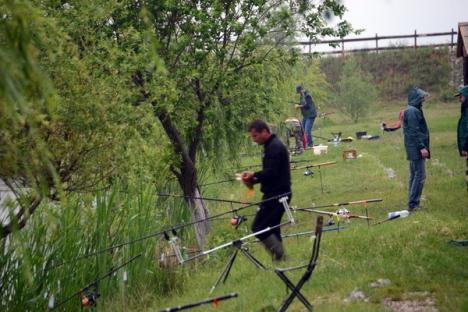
x=416, y=182
x=269, y=214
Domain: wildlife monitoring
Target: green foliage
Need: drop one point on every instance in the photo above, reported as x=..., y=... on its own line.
x=356, y=91
x=26, y=96
x=31, y=269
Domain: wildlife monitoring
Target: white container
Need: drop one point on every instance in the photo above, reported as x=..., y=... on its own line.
x=320, y=149
x=398, y=214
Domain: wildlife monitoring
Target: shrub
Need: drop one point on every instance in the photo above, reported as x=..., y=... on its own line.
x=356, y=91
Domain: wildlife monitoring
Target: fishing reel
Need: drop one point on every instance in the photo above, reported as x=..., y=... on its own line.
x=237, y=220
x=343, y=212
x=89, y=296
x=308, y=172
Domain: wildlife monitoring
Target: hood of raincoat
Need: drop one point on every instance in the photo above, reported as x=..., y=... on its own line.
x=462, y=91
x=416, y=96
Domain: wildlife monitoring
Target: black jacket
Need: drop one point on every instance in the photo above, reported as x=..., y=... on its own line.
x=275, y=176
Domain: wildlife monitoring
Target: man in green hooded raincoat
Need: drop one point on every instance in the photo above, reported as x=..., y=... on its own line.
x=416, y=136
x=462, y=128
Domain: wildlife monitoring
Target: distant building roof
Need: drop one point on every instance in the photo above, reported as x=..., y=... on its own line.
x=462, y=41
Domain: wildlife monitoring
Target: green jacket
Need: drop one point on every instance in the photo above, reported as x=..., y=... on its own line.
x=462, y=128
x=415, y=129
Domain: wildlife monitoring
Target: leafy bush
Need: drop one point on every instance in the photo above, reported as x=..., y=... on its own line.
x=356, y=91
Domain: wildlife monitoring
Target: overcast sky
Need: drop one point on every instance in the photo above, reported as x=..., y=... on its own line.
x=403, y=17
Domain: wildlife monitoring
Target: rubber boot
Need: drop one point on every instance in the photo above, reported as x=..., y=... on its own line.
x=274, y=246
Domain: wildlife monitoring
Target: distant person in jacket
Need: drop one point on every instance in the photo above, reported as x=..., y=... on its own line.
x=416, y=135
x=462, y=128
x=275, y=179
x=309, y=113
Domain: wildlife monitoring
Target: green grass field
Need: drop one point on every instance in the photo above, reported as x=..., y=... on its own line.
x=413, y=253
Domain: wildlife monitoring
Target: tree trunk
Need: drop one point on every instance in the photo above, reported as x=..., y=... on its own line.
x=186, y=174
x=188, y=181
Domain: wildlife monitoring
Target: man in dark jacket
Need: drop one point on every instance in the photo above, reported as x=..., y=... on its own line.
x=462, y=128
x=275, y=179
x=416, y=137
x=309, y=113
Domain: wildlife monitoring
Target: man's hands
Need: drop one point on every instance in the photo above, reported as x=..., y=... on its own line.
x=465, y=153
x=298, y=106
x=424, y=153
x=248, y=178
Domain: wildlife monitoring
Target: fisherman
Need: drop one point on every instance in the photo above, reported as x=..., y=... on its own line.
x=309, y=113
x=275, y=179
x=416, y=137
x=462, y=128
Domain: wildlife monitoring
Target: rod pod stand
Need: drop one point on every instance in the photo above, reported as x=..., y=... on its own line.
x=239, y=246
x=284, y=201
x=174, y=243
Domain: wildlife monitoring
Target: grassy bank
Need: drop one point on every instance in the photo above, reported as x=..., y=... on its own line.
x=412, y=253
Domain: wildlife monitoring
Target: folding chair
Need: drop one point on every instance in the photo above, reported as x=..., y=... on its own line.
x=296, y=289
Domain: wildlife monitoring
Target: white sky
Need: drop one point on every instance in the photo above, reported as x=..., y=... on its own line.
x=403, y=17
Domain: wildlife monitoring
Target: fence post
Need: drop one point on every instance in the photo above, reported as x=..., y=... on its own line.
x=310, y=45
x=376, y=43
x=342, y=46
x=415, y=40
x=451, y=41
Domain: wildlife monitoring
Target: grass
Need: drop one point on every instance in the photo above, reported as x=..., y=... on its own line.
x=413, y=253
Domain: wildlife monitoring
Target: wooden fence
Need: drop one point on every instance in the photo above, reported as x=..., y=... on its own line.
x=378, y=47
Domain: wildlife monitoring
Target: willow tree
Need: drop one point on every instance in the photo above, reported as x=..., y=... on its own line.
x=206, y=48
x=65, y=124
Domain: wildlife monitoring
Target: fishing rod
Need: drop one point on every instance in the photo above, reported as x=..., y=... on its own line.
x=328, y=163
x=219, y=182
x=320, y=137
x=308, y=172
x=89, y=293
x=215, y=301
x=259, y=165
x=162, y=232
x=249, y=167
x=205, y=198
x=363, y=201
x=339, y=228
x=322, y=115
x=237, y=241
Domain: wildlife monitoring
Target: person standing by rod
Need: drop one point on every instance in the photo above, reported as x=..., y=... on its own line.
x=275, y=179
x=416, y=135
x=309, y=113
